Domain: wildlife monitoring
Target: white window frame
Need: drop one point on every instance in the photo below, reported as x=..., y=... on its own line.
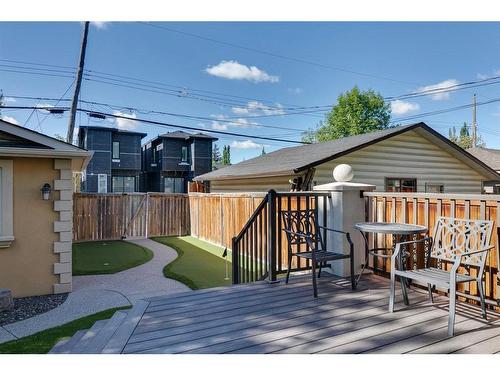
x=6, y=203
x=113, y=156
x=99, y=176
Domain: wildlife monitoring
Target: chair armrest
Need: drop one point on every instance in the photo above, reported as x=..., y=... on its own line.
x=347, y=234
x=332, y=230
x=397, y=248
x=477, y=251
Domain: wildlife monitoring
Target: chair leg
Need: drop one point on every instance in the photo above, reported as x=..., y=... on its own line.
x=320, y=268
x=315, y=287
x=353, y=279
x=429, y=288
x=392, y=292
x=451, y=318
x=481, y=294
x=289, y=267
x=365, y=264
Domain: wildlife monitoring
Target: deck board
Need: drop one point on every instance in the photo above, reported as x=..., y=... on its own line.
x=279, y=318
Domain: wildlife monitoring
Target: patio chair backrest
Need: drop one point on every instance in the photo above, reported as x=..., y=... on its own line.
x=454, y=237
x=303, y=222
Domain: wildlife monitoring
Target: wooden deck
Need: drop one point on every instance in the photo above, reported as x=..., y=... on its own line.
x=279, y=318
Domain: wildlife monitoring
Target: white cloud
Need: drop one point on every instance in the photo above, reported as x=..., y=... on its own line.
x=255, y=108
x=44, y=106
x=246, y=145
x=9, y=100
x=486, y=76
x=217, y=124
x=438, y=86
x=10, y=119
x=400, y=107
x=125, y=123
x=101, y=25
x=234, y=70
x=295, y=90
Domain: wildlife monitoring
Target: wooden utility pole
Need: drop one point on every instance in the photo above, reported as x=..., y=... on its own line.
x=74, y=104
x=474, y=124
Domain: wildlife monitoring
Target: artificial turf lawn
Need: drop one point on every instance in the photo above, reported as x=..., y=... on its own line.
x=104, y=257
x=43, y=341
x=199, y=265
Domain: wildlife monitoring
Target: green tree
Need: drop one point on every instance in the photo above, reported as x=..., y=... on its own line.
x=216, y=157
x=263, y=151
x=356, y=112
x=464, y=139
x=226, y=155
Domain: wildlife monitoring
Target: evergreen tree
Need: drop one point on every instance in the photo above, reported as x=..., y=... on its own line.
x=226, y=155
x=263, y=151
x=216, y=157
x=464, y=139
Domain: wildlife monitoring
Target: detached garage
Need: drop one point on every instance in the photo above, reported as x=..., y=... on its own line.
x=401, y=159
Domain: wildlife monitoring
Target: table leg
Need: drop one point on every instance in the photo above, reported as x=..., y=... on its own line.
x=402, y=280
x=365, y=265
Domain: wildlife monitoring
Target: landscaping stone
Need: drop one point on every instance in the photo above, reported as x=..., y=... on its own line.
x=6, y=301
x=26, y=307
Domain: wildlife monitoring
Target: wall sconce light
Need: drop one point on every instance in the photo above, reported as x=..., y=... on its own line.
x=46, y=192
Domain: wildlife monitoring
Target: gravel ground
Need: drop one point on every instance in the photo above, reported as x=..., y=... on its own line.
x=27, y=307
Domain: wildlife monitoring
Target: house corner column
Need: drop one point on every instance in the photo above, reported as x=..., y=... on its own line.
x=345, y=208
x=64, y=226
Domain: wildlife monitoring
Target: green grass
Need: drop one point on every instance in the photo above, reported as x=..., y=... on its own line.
x=105, y=257
x=200, y=265
x=42, y=342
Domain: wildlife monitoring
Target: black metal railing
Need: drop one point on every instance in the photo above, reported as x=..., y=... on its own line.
x=260, y=251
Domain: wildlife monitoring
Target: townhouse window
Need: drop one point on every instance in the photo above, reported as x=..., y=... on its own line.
x=184, y=154
x=174, y=185
x=102, y=183
x=123, y=184
x=400, y=185
x=116, y=150
x=6, y=203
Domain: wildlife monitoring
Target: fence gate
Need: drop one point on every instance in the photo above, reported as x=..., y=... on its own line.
x=130, y=215
x=135, y=216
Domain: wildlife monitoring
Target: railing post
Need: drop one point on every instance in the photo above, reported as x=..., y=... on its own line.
x=271, y=234
x=235, y=261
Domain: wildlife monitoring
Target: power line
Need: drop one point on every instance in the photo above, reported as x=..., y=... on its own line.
x=228, y=120
x=298, y=60
x=158, y=123
x=183, y=92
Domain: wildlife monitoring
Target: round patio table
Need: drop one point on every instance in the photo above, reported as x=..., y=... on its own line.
x=400, y=232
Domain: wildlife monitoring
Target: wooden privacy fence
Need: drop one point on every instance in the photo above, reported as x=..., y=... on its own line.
x=134, y=215
x=423, y=209
x=217, y=218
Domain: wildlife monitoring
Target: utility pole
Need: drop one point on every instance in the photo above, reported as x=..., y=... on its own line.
x=74, y=104
x=474, y=124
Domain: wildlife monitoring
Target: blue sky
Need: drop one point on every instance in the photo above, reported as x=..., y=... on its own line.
x=391, y=58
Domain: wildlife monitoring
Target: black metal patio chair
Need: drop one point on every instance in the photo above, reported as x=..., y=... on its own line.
x=302, y=228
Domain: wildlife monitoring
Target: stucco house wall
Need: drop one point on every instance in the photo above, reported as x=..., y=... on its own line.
x=33, y=263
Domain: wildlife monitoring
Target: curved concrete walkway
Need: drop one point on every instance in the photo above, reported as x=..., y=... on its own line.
x=92, y=294
x=140, y=282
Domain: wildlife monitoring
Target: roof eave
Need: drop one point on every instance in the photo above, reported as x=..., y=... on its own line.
x=225, y=178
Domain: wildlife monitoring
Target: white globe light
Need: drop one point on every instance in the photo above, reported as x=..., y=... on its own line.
x=343, y=173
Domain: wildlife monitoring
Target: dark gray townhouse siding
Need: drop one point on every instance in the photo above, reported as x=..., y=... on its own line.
x=116, y=165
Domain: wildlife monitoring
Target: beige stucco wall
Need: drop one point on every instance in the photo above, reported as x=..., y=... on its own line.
x=405, y=155
x=26, y=267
